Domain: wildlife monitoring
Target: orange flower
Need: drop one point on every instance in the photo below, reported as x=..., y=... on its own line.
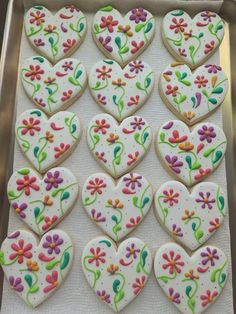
x=50, y=28
x=47, y=201
x=49, y=80
x=116, y=204
x=126, y=30
x=187, y=146
x=119, y=82
x=188, y=214
x=112, y=138
x=32, y=265
x=49, y=137
x=191, y=275
x=112, y=269
x=189, y=115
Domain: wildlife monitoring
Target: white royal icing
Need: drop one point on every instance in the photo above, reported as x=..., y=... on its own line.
x=191, y=218
x=192, y=40
x=118, y=148
x=117, y=275
x=123, y=38
x=55, y=36
x=190, y=155
x=120, y=92
x=193, y=283
x=192, y=96
x=51, y=88
x=47, y=142
x=41, y=203
x=36, y=270
x=117, y=208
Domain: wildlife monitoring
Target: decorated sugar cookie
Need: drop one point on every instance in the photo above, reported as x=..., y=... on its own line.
x=191, y=283
x=193, y=96
x=192, y=40
x=123, y=38
x=53, y=88
x=117, y=275
x=118, y=148
x=190, y=156
x=117, y=209
x=47, y=142
x=55, y=36
x=42, y=202
x=191, y=218
x=121, y=92
x=36, y=270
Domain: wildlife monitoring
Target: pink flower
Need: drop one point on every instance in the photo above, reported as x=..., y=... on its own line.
x=209, y=47
x=68, y=44
x=100, y=156
x=139, y=284
x=174, y=296
x=97, y=256
x=202, y=173
x=52, y=280
x=104, y=73
x=21, y=251
x=101, y=125
x=177, y=138
x=67, y=95
x=173, y=262
x=214, y=225
x=30, y=126
x=201, y=81
x=104, y=296
x=97, y=216
x=37, y=18
x=34, y=72
x=96, y=186
x=136, y=46
x=108, y=22
x=171, y=197
x=49, y=222
x=39, y=42
x=60, y=150
x=15, y=284
x=133, y=158
x=133, y=222
x=208, y=298
x=26, y=184
x=171, y=90
x=134, y=100
x=176, y=231
x=178, y=26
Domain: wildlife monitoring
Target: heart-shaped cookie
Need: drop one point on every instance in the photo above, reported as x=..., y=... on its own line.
x=193, y=96
x=192, y=40
x=191, y=218
x=117, y=275
x=190, y=155
x=42, y=203
x=121, y=92
x=118, y=148
x=36, y=270
x=47, y=142
x=117, y=208
x=53, y=89
x=123, y=38
x=55, y=36
x=193, y=283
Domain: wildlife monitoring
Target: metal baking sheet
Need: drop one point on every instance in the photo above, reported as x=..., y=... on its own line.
x=9, y=86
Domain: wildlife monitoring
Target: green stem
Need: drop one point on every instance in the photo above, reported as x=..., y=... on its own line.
x=220, y=272
x=121, y=289
x=167, y=278
x=26, y=144
x=9, y=263
x=118, y=222
x=54, y=48
x=164, y=142
x=32, y=33
x=62, y=191
x=140, y=261
x=100, y=87
x=122, y=47
x=196, y=229
x=35, y=88
x=212, y=154
x=60, y=260
x=144, y=34
x=177, y=42
x=90, y=270
x=76, y=28
x=69, y=124
x=218, y=203
x=50, y=99
x=15, y=197
x=162, y=210
x=41, y=151
x=141, y=200
x=87, y=203
x=120, y=99
x=118, y=156
x=192, y=55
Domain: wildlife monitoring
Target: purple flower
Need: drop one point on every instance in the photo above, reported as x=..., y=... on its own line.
x=205, y=200
x=213, y=68
x=182, y=52
x=16, y=284
x=209, y=256
x=104, y=296
x=52, y=243
x=206, y=133
x=138, y=15
x=97, y=216
x=53, y=180
x=207, y=15
x=177, y=231
x=132, y=251
x=19, y=209
x=40, y=102
x=136, y=66
x=173, y=163
x=174, y=296
x=68, y=66
x=105, y=41
x=131, y=181
x=138, y=123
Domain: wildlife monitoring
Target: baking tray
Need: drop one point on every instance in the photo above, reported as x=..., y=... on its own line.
x=9, y=84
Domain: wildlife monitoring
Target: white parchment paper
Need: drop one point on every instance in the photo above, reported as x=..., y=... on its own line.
x=75, y=295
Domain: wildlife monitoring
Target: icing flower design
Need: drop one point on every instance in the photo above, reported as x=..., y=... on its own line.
x=96, y=186
x=208, y=297
x=101, y=126
x=105, y=297
x=66, y=95
x=39, y=42
x=40, y=102
x=207, y=15
x=119, y=82
x=132, y=181
x=97, y=256
x=32, y=265
x=112, y=138
x=182, y=52
x=101, y=156
x=101, y=99
x=50, y=29
x=134, y=100
x=178, y=25
x=112, y=269
x=188, y=214
x=191, y=275
x=133, y=222
x=171, y=90
x=209, y=47
x=52, y=244
x=213, y=68
x=136, y=66
x=37, y=18
x=170, y=197
x=125, y=30
x=68, y=44
x=108, y=22
x=30, y=126
x=176, y=231
x=49, y=222
x=206, y=133
x=136, y=46
x=133, y=158
x=52, y=280
x=97, y=216
x=26, y=184
x=201, y=81
x=68, y=65
x=202, y=173
x=105, y=41
x=137, y=123
x=21, y=251
x=116, y=204
x=138, y=15
x=186, y=146
x=174, y=296
x=209, y=256
x=61, y=149
x=72, y=8
x=34, y=73
x=173, y=262
x=53, y=180
x=19, y=209
x=205, y=200
x=174, y=163
x=104, y=72
x=16, y=283
x=177, y=138
x=139, y=284
x=132, y=251
x=214, y=225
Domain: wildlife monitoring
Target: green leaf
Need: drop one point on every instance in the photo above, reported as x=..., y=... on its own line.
x=118, y=42
x=188, y=290
x=108, y=8
x=193, y=100
x=96, y=28
x=191, y=49
x=49, y=90
x=136, y=137
x=148, y=28
x=189, y=161
x=147, y=82
x=187, y=83
x=222, y=278
x=114, y=218
x=213, y=275
x=116, y=150
x=209, y=151
x=124, y=50
x=36, y=149
x=52, y=264
x=108, y=61
x=36, y=212
x=11, y=194
x=29, y=280
x=135, y=201
x=73, y=128
x=217, y=90
x=55, y=192
x=210, y=27
x=98, y=274
x=145, y=201
x=115, y=285
x=97, y=138
x=39, y=219
x=178, y=75
x=196, y=165
x=162, y=137
x=177, y=13
x=138, y=85
x=51, y=40
x=199, y=234
x=78, y=74
x=222, y=202
x=106, y=242
x=218, y=27
x=182, y=98
x=166, y=211
x=145, y=136
x=138, y=27
x=183, y=76
x=73, y=81
x=34, y=289
x=43, y=157
x=144, y=256
x=65, y=196
x=114, y=99
x=194, y=226
x=200, y=35
x=205, y=93
x=2, y=259
x=213, y=101
x=23, y=171
x=192, y=303
x=119, y=296
x=40, y=59
x=81, y=27
x=66, y=259
x=218, y=156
